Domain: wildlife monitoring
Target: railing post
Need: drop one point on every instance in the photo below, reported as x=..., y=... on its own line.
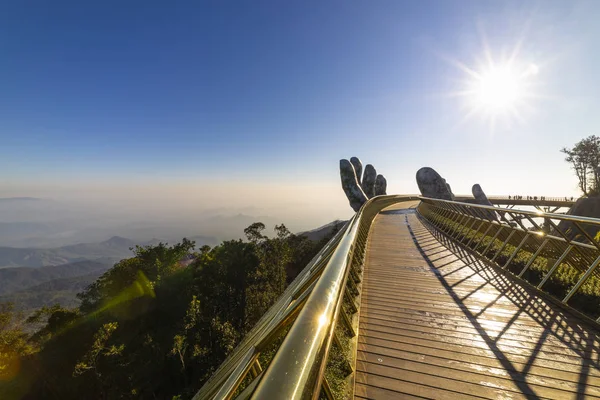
x=456, y=217
x=587, y=235
x=517, y=250
x=555, y=266
x=492, y=241
x=469, y=226
x=533, y=257
x=475, y=234
x=454, y=235
x=582, y=280
x=491, y=224
x=510, y=235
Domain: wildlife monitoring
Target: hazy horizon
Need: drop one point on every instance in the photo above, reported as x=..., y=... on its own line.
x=143, y=113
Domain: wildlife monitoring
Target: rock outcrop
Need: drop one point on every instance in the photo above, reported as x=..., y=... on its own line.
x=432, y=185
x=584, y=207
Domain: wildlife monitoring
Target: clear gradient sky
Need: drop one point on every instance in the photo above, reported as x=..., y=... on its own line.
x=257, y=99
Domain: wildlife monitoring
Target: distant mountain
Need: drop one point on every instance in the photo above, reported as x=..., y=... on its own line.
x=204, y=240
x=61, y=291
x=323, y=231
x=16, y=279
x=226, y=227
x=116, y=246
x=18, y=199
x=109, y=251
x=8, y=229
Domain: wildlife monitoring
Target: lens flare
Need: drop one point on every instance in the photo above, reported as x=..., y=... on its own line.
x=498, y=89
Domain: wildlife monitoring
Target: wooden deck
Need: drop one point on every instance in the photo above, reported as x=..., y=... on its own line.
x=437, y=323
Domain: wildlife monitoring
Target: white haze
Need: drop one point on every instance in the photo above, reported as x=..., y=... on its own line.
x=209, y=212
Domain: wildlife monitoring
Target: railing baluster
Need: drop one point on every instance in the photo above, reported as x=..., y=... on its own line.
x=465, y=228
x=533, y=257
x=333, y=277
x=475, y=234
x=555, y=266
x=516, y=250
x=454, y=235
x=492, y=241
x=510, y=235
x=327, y=390
x=489, y=228
x=582, y=280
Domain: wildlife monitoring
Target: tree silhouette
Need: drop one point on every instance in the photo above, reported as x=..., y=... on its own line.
x=585, y=161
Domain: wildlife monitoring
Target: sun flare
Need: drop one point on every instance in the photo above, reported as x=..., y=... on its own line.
x=498, y=90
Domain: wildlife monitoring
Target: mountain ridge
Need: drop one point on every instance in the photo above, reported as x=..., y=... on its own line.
x=21, y=278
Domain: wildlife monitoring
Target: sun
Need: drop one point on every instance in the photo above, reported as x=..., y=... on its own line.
x=497, y=90
x=500, y=88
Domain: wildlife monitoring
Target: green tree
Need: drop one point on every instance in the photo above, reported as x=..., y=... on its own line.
x=99, y=353
x=584, y=158
x=253, y=232
x=55, y=319
x=14, y=342
x=153, y=326
x=140, y=272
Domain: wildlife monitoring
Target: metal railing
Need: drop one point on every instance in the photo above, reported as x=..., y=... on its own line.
x=317, y=315
x=532, y=245
x=522, y=200
x=566, y=199
x=320, y=307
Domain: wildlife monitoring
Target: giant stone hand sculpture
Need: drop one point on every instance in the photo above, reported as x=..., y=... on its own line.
x=480, y=196
x=359, y=191
x=482, y=199
x=431, y=184
x=380, y=185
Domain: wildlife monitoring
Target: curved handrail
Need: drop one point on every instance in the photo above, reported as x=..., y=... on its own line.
x=297, y=369
x=572, y=244
x=535, y=214
x=540, y=199
x=312, y=305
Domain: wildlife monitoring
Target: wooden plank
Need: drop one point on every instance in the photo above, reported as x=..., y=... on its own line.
x=363, y=391
x=446, y=327
x=495, y=377
x=398, y=389
x=399, y=340
x=439, y=327
x=521, y=340
x=398, y=349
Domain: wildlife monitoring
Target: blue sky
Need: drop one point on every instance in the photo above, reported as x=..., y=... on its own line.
x=273, y=94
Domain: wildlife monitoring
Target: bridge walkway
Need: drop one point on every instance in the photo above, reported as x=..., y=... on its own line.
x=437, y=323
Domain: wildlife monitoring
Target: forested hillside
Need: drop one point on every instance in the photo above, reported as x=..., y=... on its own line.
x=61, y=291
x=112, y=249
x=20, y=278
x=152, y=326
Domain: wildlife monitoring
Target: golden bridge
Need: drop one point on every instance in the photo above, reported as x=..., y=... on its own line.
x=425, y=298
